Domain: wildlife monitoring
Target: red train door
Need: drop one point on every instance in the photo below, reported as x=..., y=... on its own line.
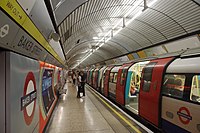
x=88, y=74
x=149, y=95
x=106, y=81
x=121, y=83
x=96, y=78
x=91, y=78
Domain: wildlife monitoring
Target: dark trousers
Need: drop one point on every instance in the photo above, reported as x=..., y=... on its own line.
x=83, y=88
x=79, y=91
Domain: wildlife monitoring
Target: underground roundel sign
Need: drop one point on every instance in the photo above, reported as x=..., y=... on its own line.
x=184, y=115
x=28, y=101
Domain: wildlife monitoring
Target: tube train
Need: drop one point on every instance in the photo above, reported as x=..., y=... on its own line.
x=164, y=91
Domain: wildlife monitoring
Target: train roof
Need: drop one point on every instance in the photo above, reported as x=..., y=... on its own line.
x=115, y=69
x=184, y=65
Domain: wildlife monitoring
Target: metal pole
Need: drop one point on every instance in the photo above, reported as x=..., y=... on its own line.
x=145, y=5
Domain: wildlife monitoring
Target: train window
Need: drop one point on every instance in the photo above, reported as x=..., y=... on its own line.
x=111, y=77
x=115, y=78
x=195, y=89
x=173, y=85
x=135, y=84
x=148, y=76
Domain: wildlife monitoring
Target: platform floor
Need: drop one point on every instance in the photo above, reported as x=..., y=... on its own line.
x=88, y=115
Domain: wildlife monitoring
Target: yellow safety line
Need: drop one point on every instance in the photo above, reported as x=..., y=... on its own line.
x=119, y=115
x=19, y=15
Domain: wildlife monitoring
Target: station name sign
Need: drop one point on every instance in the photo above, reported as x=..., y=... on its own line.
x=28, y=99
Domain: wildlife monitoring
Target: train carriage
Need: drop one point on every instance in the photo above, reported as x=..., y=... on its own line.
x=181, y=96
x=88, y=75
x=113, y=82
x=164, y=92
x=91, y=76
x=103, y=80
x=100, y=77
x=121, y=84
x=133, y=86
x=150, y=89
x=95, y=77
x=106, y=80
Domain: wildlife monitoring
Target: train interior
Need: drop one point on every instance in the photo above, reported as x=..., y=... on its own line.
x=133, y=85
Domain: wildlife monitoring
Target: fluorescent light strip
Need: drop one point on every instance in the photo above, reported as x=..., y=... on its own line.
x=99, y=41
x=59, y=4
x=95, y=38
x=134, y=7
x=80, y=62
x=136, y=15
x=127, y=23
x=97, y=48
x=101, y=44
x=84, y=59
x=153, y=2
x=117, y=31
x=118, y=23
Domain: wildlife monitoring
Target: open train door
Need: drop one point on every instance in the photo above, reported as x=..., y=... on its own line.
x=150, y=91
x=121, y=83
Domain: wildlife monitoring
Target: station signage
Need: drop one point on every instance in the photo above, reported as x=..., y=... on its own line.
x=184, y=115
x=28, y=100
x=4, y=30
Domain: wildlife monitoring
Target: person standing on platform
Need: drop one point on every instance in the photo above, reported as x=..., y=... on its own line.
x=74, y=77
x=79, y=83
x=83, y=75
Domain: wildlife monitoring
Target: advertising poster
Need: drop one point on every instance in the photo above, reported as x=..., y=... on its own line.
x=155, y=51
x=22, y=94
x=59, y=76
x=47, y=90
x=55, y=77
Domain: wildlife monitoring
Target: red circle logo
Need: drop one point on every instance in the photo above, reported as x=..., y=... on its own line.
x=28, y=101
x=184, y=115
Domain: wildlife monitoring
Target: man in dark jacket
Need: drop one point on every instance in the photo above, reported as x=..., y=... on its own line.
x=83, y=78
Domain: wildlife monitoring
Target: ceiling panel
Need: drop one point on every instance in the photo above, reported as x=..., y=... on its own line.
x=163, y=21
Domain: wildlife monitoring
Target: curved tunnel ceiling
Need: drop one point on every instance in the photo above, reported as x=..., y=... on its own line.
x=107, y=29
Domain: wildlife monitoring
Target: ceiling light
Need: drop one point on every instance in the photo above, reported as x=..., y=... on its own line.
x=95, y=38
x=133, y=8
x=153, y=2
x=135, y=16
x=59, y=4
